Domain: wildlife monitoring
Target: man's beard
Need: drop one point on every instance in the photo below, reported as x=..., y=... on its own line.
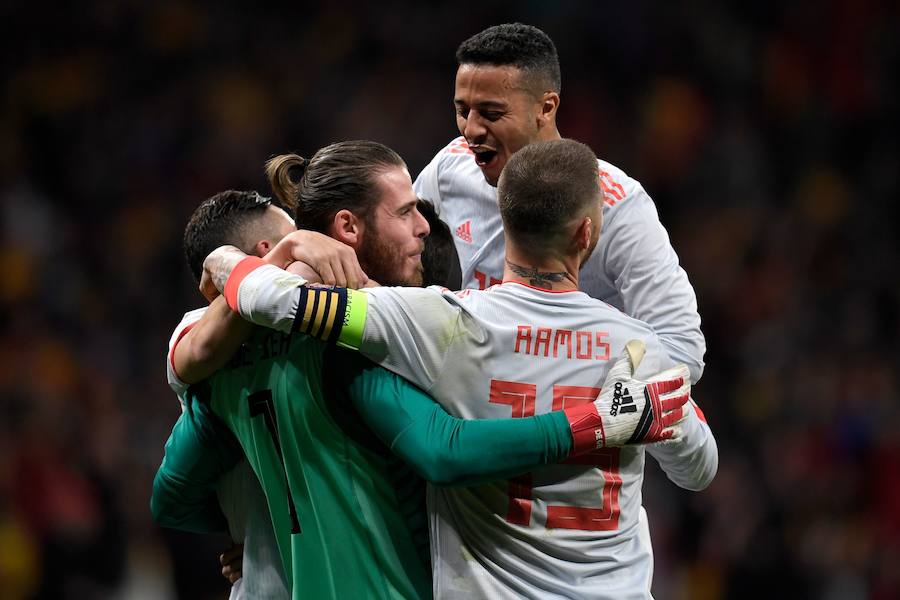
x=383, y=262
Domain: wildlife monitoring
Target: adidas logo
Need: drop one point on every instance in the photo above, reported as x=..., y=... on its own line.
x=464, y=232
x=622, y=401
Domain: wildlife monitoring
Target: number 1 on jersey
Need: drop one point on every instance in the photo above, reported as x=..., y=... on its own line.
x=520, y=397
x=261, y=404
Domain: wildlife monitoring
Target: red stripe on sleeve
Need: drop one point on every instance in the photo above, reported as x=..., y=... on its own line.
x=233, y=284
x=699, y=412
x=172, y=351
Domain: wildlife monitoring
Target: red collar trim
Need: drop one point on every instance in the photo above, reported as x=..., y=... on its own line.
x=540, y=289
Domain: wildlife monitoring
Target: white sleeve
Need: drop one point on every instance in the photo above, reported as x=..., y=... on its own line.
x=643, y=267
x=406, y=330
x=267, y=296
x=692, y=461
x=187, y=321
x=410, y=331
x=426, y=184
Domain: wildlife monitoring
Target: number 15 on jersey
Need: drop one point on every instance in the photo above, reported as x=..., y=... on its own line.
x=604, y=516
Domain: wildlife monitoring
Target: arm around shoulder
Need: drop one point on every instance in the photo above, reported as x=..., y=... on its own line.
x=446, y=450
x=210, y=343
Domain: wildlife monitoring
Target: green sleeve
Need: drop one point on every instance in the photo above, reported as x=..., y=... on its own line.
x=199, y=451
x=447, y=450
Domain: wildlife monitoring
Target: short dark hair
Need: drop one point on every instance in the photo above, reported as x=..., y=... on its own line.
x=440, y=261
x=337, y=177
x=221, y=220
x=543, y=187
x=515, y=44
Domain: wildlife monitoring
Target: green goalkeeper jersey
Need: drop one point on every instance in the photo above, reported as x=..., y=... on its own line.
x=322, y=428
x=337, y=516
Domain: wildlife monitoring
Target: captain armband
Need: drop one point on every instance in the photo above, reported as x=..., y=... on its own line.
x=268, y=296
x=334, y=315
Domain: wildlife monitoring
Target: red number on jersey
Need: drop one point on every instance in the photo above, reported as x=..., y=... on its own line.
x=483, y=279
x=521, y=399
x=607, y=459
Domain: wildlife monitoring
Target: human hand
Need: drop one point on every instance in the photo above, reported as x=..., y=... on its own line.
x=333, y=261
x=632, y=411
x=216, y=269
x=305, y=271
x=232, y=561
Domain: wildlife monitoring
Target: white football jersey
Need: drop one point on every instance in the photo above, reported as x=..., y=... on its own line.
x=574, y=530
x=633, y=268
x=244, y=505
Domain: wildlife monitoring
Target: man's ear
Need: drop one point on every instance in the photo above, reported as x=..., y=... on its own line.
x=262, y=247
x=549, y=105
x=583, y=234
x=346, y=227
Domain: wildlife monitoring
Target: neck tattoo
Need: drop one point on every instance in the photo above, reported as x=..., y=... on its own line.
x=539, y=279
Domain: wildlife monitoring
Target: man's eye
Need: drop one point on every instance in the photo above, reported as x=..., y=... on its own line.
x=462, y=112
x=492, y=116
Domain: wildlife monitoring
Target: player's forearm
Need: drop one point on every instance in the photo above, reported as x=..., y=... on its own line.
x=271, y=297
x=210, y=343
x=193, y=512
x=690, y=462
x=262, y=294
x=449, y=451
x=686, y=345
x=198, y=453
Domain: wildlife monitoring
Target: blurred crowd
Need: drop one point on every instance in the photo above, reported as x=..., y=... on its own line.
x=767, y=135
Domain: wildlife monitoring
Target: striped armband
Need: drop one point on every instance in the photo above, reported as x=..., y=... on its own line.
x=266, y=295
x=335, y=315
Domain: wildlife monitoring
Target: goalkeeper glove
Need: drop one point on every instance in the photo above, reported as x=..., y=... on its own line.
x=631, y=411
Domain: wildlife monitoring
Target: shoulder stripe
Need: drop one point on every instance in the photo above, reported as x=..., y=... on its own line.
x=612, y=190
x=181, y=334
x=458, y=146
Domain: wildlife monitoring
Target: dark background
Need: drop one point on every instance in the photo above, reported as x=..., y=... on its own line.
x=766, y=133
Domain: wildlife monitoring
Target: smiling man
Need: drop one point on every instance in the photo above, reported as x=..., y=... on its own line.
x=506, y=96
x=391, y=253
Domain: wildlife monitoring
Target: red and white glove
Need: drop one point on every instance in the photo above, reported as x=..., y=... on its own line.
x=631, y=411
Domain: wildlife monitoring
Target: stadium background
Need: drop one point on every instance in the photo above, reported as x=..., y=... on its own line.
x=766, y=134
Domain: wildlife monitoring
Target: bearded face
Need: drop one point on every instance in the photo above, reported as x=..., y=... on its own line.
x=387, y=263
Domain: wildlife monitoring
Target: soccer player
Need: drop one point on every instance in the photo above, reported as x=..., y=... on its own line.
x=506, y=96
x=338, y=478
x=255, y=224
x=526, y=346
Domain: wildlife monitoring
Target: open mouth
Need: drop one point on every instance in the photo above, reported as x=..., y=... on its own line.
x=484, y=158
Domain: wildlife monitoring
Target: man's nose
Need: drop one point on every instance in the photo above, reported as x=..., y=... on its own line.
x=474, y=130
